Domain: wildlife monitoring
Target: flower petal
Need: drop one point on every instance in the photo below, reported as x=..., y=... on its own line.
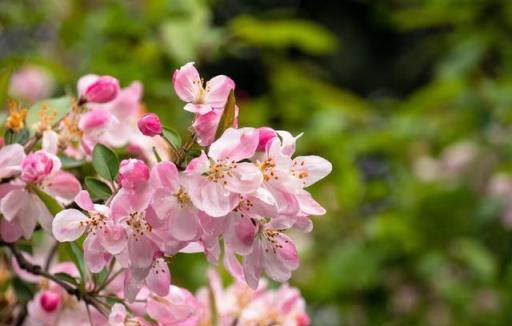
x=69, y=225
x=187, y=82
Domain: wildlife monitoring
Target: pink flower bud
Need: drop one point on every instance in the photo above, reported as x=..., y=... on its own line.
x=303, y=319
x=150, y=125
x=133, y=173
x=49, y=301
x=102, y=90
x=36, y=166
x=266, y=135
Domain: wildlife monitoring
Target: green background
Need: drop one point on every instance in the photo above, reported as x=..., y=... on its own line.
x=410, y=101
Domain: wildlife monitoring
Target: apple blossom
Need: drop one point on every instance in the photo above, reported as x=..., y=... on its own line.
x=150, y=125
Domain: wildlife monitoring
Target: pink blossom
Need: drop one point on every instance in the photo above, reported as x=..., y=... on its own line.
x=49, y=300
x=133, y=174
x=266, y=136
x=201, y=98
x=38, y=165
x=178, y=308
x=150, y=125
x=31, y=83
x=217, y=180
x=102, y=90
x=205, y=125
x=11, y=157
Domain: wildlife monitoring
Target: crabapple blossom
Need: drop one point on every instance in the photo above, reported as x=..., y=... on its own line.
x=231, y=193
x=100, y=89
x=150, y=125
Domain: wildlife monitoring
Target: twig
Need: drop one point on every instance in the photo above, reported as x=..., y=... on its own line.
x=37, y=270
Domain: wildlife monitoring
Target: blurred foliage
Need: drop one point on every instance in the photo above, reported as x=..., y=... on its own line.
x=410, y=100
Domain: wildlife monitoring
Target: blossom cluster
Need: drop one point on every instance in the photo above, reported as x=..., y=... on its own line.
x=233, y=197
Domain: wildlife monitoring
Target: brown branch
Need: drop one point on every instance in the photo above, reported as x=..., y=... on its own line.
x=38, y=270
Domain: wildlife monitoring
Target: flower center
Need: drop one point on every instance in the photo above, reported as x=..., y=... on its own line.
x=137, y=224
x=219, y=170
x=267, y=169
x=95, y=221
x=182, y=197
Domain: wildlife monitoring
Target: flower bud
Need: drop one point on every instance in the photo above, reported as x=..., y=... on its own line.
x=102, y=90
x=266, y=135
x=133, y=173
x=49, y=301
x=150, y=125
x=36, y=166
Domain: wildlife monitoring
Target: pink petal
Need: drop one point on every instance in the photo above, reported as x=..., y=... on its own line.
x=233, y=266
x=159, y=278
x=187, y=82
x=141, y=251
x=50, y=142
x=240, y=234
x=218, y=89
x=62, y=184
x=198, y=108
x=308, y=205
x=245, y=178
x=198, y=165
x=95, y=257
x=235, y=144
x=205, y=126
x=11, y=157
x=165, y=175
x=312, y=167
x=215, y=201
x=113, y=238
x=83, y=200
x=13, y=203
x=184, y=224
x=10, y=231
x=253, y=267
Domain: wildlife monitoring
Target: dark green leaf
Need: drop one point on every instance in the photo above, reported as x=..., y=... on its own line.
x=105, y=162
x=77, y=257
x=23, y=292
x=97, y=188
x=20, y=137
x=228, y=116
x=172, y=136
x=66, y=278
x=50, y=202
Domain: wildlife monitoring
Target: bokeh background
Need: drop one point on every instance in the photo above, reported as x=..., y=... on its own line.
x=409, y=99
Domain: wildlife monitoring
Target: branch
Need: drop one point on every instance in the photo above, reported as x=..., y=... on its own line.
x=38, y=270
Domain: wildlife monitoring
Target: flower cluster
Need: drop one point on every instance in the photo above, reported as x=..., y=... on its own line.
x=231, y=193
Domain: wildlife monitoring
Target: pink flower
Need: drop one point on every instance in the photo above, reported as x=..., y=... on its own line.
x=266, y=136
x=217, y=180
x=38, y=165
x=101, y=90
x=133, y=174
x=11, y=157
x=205, y=125
x=104, y=237
x=31, y=83
x=178, y=308
x=150, y=125
x=49, y=301
x=171, y=202
x=201, y=98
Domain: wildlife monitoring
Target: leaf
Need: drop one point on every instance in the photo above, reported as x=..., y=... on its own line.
x=101, y=277
x=50, y=202
x=97, y=188
x=157, y=156
x=12, y=137
x=60, y=105
x=68, y=163
x=228, y=115
x=172, y=136
x=66, y=278
x=5, y=76
x=23, y=292
x=105, y=162
x=77, y=257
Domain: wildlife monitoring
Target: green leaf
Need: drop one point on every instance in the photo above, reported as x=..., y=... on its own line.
x=68, y=163
x=66, y=278
x=105, y=162
x=12, y=137
x=97, y=188
x=172, y=136
x=60, y=105
x=101, y=277
x=228, y=116
x=23, y=292
x=50, y=202
x=77, y=257
x=5, y=76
